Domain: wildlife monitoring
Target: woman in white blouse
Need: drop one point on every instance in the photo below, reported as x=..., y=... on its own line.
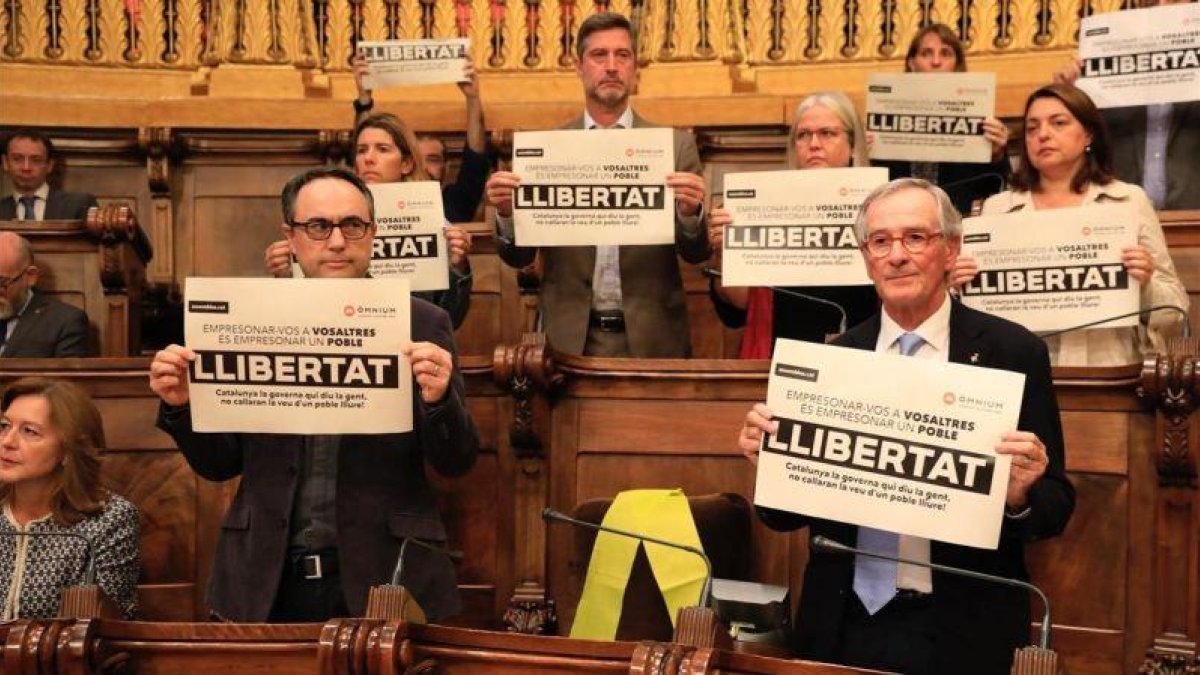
x=1066, y=161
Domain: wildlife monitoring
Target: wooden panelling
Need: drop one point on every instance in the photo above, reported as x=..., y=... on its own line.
x=710, y=428
x=1096, y=442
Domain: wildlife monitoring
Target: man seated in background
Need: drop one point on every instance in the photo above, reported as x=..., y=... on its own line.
x=28, y=160
x=34, y=325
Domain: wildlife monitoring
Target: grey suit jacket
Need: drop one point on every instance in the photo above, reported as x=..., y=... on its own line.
x=652, y=297
x=60, y=205
x=1127, y=130
x=382, y=498
x=48, y=329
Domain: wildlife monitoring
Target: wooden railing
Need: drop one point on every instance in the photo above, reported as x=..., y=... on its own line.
x=531, y=36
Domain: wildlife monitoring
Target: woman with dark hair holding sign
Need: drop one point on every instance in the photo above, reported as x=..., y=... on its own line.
x=936, y=49
x=1066, y=161
x=384, y=152
x=826, y=133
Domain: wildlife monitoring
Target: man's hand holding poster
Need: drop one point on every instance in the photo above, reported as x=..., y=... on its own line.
x=408, y=62
x=411, y=240
x=1141, y=56
x=930, y=117
x=1051, y=270
x=299, y=356
x=856, y=446
x=795, y=228
x=601, y=187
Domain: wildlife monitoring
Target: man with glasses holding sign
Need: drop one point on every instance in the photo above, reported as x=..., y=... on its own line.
x=862, y=612
x=319, y=519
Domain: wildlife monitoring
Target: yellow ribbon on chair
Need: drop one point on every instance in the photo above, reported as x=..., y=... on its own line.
x=663, y=514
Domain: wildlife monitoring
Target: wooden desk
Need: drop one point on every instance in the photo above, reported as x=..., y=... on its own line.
x=352, y=647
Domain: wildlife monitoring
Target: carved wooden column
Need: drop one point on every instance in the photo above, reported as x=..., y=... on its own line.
x=1171, y=384
x=527, y=371
x=156, y=144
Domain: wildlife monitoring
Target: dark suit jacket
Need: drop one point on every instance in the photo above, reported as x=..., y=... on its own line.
x=60, y=205
x=48, y=329
x=1127, y=132
x=383, y=497
x=652, y=295
x=460, y=199
x=978, y=624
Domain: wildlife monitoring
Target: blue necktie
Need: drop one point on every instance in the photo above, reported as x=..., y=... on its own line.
x=28, y=202
x=875, y=579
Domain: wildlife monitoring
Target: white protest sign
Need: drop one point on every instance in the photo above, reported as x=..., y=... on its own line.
x=795, y=228
x=1053, y=269
x=594, y=188
x=411, y=240
x=916, y=459
x=930, y=117
x=406, y=62
x=299, y=356
x=1141, y=56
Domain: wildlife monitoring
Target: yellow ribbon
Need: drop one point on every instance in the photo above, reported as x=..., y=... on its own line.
x=663, y=514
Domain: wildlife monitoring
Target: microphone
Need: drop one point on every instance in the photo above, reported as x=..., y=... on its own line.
x=398, y=573
x=705, y=592
x=716, y=274
x=975, y=179
x=1187, y=325
x=831, y=546
x=947, y=187
x=89, y=561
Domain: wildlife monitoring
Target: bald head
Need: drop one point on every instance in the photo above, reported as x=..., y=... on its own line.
x=15, y=253
x=17, y=273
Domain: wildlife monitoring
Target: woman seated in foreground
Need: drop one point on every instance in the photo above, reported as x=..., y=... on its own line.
x=50, y=439
x=1066, y=160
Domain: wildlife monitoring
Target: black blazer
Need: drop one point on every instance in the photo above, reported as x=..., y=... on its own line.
x=60, y=205
x=48, y=329
x=1127, y=134
x=383, y=497
x=978, y=624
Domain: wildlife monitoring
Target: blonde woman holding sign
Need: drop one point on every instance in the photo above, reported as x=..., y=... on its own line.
x=826, y=133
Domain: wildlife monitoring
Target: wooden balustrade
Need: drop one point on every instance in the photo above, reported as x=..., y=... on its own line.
x=511, y=36
x=352, y=647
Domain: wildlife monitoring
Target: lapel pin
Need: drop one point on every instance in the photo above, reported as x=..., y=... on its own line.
x=974, y=357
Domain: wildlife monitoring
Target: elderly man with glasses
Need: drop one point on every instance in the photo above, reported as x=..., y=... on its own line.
x=34, y=325
x=905, y=618
x=319, y=519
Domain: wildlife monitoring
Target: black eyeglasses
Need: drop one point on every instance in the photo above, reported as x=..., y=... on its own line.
x=5, y=282
x=319, y=229
x=880, y=244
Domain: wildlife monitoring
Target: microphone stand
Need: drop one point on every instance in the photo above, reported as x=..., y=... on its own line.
x=1187, y=323
x=1028, y=660
x=842, y=320
x=394, y=602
